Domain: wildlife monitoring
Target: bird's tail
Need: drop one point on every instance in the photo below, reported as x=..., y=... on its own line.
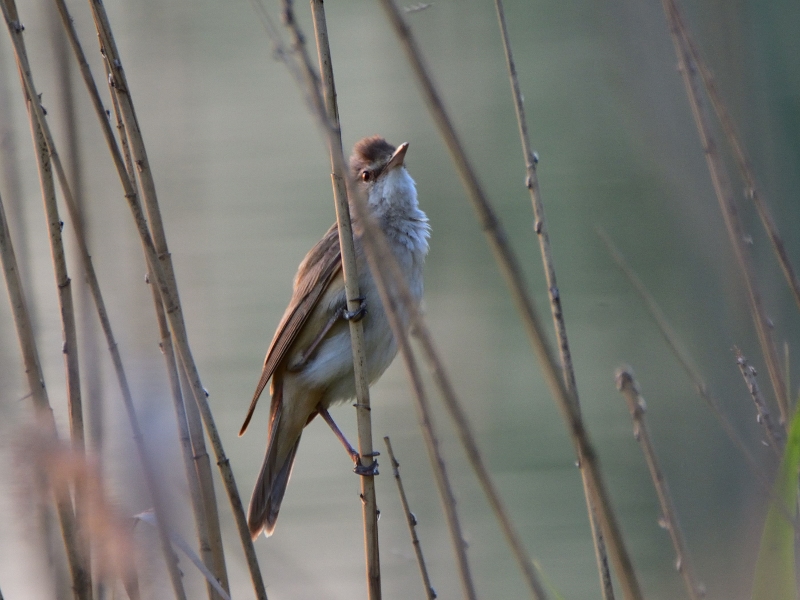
x=284, y=438
x=270, y=488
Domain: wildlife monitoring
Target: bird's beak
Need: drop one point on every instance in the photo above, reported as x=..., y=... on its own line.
x=398, y=157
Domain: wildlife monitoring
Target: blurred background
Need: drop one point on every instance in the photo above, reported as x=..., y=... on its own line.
x=243, y=180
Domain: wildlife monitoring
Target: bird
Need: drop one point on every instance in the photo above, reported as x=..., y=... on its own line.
x=310, y=360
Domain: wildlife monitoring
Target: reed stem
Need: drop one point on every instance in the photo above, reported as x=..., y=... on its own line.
x=338, y=176
x=774, y=434
x=511, y=270
x=411, y=520
x=730, y=214
x=540, y=227
x=627, y=385
x=41, y=402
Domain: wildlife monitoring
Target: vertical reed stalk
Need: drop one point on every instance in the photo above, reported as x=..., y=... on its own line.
x=630, y=391
x=532, y=183
x=195, y=457
x=38, y=392
x=743, y=164
x=411, y=520
x=338, y=175
x=48, y=150
x=730, y=214
x=63, y=284
x=160, y=264
x=306, y=79
x=512, y=272
x=774, y=435
x=682, y=356
x=377, y=262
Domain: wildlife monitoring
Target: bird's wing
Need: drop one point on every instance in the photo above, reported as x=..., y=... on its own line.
x=314, y=275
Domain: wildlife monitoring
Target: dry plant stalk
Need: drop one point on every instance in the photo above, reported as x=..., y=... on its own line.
x=382, y=260
x=190, y=428
x=411, y=520
x=627, y=385
x=680, y=353
x=63, y=284
x=540, y=227
x=774, y=434
x=48, y=146
x=379, y=257
x=349, y=270
x=743, y=164
x=512, y=272
x=41, y=404
x=306, y=80
x=160, y=266
x=722, y=189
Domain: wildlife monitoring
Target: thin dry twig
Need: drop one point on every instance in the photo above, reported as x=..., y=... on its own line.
x=742, y=162
x=49, y=151
x=411, y=519
x=349, y=269
x=686, y=362
x=38, y=394
x=540, y=227
x=197, y=464
x=160, y=265
x=627, y=385
x=774, y=432
x=512, y=272
x=63, y=284
x=379, y=257
x=306, y=80
x=722, y=189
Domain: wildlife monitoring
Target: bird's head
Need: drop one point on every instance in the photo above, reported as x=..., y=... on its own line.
x=379, y=171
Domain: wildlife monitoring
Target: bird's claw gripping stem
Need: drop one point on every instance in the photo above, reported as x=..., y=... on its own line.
x=364, y=470
x=358, y=314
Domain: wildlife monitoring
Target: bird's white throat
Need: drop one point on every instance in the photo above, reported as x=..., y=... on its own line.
x=393, y=200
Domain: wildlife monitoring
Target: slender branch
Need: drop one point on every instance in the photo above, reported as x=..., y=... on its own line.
x=349, y=268
x=411, y=520
x=38, y=393
x=48, y=146
x=379, y=258
x=160, y=265
x=719, y=179
x=669, y=516
x=686, y=362
x=63, y=284
x=743, y=164
x=774, y=434
x=195, y=457
x=512, y=272
x=540, y=227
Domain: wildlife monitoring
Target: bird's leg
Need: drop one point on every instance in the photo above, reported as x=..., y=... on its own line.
x=359, y=313
x=312, y=347
x=359, y=469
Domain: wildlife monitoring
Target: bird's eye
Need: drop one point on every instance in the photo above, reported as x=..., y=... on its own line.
x=365, y=175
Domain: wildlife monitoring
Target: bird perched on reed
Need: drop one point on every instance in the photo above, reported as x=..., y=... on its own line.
x=310, y=360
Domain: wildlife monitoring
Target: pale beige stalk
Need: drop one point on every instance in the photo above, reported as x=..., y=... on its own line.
x=411, y=520
x=627, y=385
x=730, y=214
x=47, y=149
x=512, y=272
x=160, y=265
x=338, y=175
x=41, y=402
x=540, y=227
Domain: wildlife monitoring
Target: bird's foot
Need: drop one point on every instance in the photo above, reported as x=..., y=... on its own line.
x=358, y=314
x=367, y=470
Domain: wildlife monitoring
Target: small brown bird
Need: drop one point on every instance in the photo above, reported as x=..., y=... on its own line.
x=310, y=359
